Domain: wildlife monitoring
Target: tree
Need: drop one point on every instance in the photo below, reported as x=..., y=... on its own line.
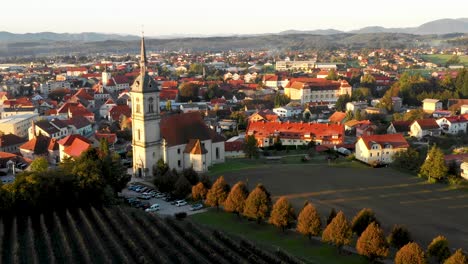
x=439, y=249
x=217, y=193
x=434, y=166
x=169, y=105
x=199, y=191
x=457, y=258
x=411, y=253
x=188, y=92
x=368, y=81
x=166, y=182
x=235, y=201
x=39, y=165
x=281, y=100
x=453, y=60
x=258, y=204
x=338, y=232
x=360, y=222
x=160, y=169
x=308, y=221
x=250, y=146
x=372, y=243
x=191, y=175
x=282, y=214
x=331, y=216
x=407, y=160
x=341, y=102
x=182, y=187
x=399, y=236
x=332, y=75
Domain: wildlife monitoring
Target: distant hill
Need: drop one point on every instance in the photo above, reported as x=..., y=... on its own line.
x=312, y=32
x=53, y=37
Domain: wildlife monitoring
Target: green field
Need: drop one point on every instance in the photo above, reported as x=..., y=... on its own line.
x=272, y=238
x=441, y=59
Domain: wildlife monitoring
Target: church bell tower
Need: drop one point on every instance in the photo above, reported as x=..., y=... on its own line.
x=146, y=140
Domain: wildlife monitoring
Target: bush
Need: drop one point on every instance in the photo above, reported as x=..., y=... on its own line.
x=439, y=249
x=362, y=220
x=399, y=236
x=410, y=254
x=457, y=258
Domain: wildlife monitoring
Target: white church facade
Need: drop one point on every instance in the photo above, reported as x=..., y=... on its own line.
x=181, y=140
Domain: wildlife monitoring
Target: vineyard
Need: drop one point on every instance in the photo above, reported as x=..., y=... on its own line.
x=121, y=235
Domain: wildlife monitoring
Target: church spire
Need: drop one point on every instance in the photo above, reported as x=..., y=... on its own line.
x=143, y=60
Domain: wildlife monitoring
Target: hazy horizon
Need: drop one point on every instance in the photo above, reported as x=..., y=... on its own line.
x=212, y=18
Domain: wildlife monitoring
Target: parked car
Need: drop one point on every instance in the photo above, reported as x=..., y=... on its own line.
x=180, y=203
x=160, y=195
x=144, y=205
x=196, y=207
x=153, y=208
x=144, y=196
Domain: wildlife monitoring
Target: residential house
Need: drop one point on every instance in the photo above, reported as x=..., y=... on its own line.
x=356, y=106
x=400, y=127
x=431, y=105
x=266, y=115
x=338, y=118
x=73, y=145
x=453, y=125
x=234, y=148
x=379, y=149
x=111, y=138
x=10, y=143
x=288, y=111
x=295, y=134
x=464, y=170
x=365, y=129
x=41, y=146
x=424, y=127
x=270, y=81
x=118, y=111
x=105, y=108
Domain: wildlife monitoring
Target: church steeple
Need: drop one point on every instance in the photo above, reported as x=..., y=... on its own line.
x=143, y=60
x=144, y=83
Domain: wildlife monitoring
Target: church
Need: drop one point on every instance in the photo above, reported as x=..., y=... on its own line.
x=181, y=140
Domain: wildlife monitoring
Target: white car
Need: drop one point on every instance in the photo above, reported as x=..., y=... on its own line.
x=153, y=208
x=181, y=203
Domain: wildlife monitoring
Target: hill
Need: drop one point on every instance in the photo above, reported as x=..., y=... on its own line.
x=120, y=235
x=53, y=37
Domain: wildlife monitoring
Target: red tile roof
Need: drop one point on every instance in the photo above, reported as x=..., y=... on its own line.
x=337, y=117
x=427, y=123
x=77, y=147
x=270, y=78
x=117, y=111
x=110, y=137
x=234, y=146
x=7, y=155
x=83, y=94
x=168, y=94
x=39, y=145
x=68, y=140
x=395, y=140
x=181, y=128
x=401, y=126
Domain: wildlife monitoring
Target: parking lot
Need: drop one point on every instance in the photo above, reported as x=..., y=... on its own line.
x=166, y=208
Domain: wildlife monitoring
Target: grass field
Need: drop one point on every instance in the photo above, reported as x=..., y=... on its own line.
x=441, y=59
x=270, y=237
x=426, y=209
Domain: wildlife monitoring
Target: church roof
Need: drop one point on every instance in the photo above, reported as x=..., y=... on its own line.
x=144, y=83
x=179, y=129
x=195, y=147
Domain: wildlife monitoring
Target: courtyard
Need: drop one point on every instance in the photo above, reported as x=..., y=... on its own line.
x=426, y=209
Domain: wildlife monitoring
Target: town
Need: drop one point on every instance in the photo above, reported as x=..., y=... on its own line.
x=166, y=116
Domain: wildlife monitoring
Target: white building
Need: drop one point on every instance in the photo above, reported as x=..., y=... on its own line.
x=181, y=141
x=464, y=170
x=379, y=149
x=18, y=124
x=453, y=124
x=50, y=86
x=316, y=90
x=295, y=65
x=431, y=105
x=288, y=111
x=356, y=106
x=424, y=127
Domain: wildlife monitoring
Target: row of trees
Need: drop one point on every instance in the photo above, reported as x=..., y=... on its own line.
x=372, y=243
x=94, y=177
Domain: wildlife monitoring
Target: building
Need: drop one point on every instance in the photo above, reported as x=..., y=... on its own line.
x=41, y=146
x=50, y=86
x=10, y=143
x=266, y=115
x=464, y=109
x=400, y=127
x=307, y=90
x=288, y=111
x=424, y=127
x=431, y=105
x=181, y=141
x=72, y=146
x=379, y=149
x=464, y=170
x=18, y=124
x=287, y=65
x=453, y=124
x=356, y=106
x=337, y=118
x=295, y=134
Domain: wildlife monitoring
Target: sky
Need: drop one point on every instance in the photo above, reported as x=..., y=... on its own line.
x=211, y=17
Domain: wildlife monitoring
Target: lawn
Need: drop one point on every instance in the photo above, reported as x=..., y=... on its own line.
x=441, y=59
x=235, y=165
x=272, y=238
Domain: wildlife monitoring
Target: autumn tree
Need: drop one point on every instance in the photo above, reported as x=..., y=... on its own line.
x=251, y=147
x=217, y=193
x=332, y=75
x=372, y=243
x=282, y=214
x=411, y=253
x=457, y=258
x=434, y=166
x=258, y=204
x=199, y=191
x=188, y=92
x=308, y=221
x=399, y=236
x=235, y=201
x=439, y=249
x=39, y=165
x=338, y=232
x=362, y=220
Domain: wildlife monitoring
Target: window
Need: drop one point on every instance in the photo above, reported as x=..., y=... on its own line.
x=217, y=153
x=137, y=105
x=371, y=155
x=178, y=163
x=178, y=151
x=150, y=105
x=138, y=134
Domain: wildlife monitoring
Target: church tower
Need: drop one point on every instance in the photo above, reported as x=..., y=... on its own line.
x=146, y=142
